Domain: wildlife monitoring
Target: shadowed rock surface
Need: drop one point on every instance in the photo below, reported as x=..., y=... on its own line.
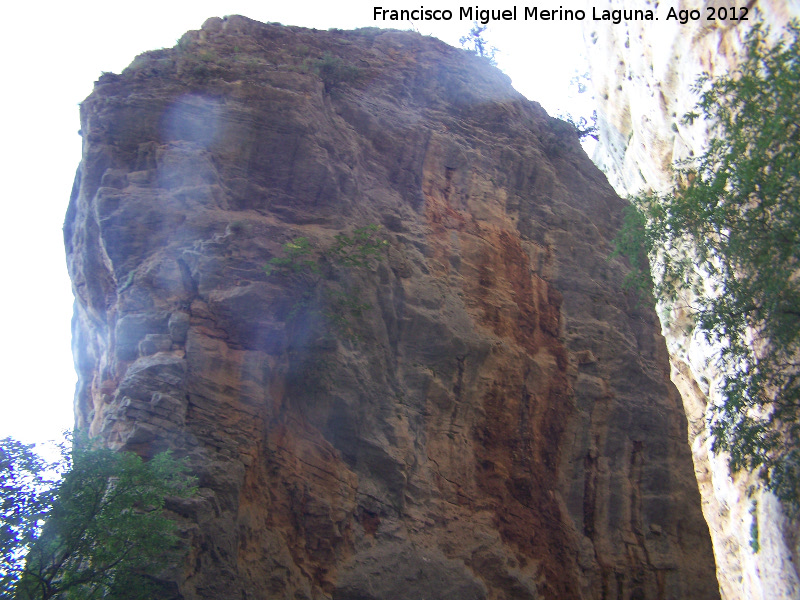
x=497, y=423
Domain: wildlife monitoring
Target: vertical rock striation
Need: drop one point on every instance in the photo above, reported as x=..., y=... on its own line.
x=497, y=423
x=642, y=100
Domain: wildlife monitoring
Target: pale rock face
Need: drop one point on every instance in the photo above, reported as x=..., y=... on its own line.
x=498, y=423
x=641, y=101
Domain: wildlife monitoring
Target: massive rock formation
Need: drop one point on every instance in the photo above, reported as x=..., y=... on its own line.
x=641, y=102
x=495, y=420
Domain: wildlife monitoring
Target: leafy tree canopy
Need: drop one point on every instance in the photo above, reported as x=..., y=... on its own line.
x=727, y=238
x=27, y=496
x=104, y=533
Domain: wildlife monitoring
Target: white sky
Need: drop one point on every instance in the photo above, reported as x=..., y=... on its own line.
x=54, y=51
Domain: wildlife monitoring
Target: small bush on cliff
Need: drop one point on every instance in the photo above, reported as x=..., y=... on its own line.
x=359, y=249
x=98, y=533
x=333, y=71
x=729, y=233
x=477, y=44
x=583, y=127
x=296, y=259
x=299, y=263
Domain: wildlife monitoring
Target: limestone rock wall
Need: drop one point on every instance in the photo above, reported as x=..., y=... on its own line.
x=497, y=423
x=642, y=73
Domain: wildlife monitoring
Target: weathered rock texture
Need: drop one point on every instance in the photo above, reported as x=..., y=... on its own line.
x=641, y=102
x=499, y=424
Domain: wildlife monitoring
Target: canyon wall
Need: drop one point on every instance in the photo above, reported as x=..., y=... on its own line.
x=478, y=411
x=642, y=73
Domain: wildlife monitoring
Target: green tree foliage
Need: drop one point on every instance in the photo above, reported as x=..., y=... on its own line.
x=729, y=235
x=27, y=496
x=296, y=259
x=299, y=259
x=104, y=533
x=356, y=250
x=306, y=268
x=583, y=127
x=360, y=249
x=332, y=70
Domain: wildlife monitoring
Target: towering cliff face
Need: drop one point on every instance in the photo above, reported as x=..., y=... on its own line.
x=496, y=422
x=642, y=100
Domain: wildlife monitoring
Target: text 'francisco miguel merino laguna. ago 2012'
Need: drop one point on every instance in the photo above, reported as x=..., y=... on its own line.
x=534, y=13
